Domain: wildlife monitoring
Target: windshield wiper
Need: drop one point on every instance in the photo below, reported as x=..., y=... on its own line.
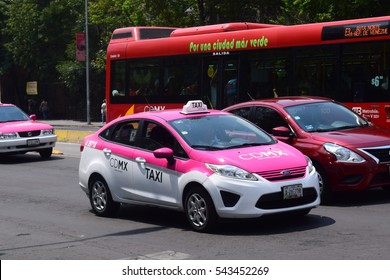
x=348, y=126
x=247, y=145
x=206, y=147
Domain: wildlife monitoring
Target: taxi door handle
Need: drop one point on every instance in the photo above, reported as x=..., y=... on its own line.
x=107, y=152
x=141, y=161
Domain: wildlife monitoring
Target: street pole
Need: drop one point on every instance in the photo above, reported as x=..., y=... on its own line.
x=87, y=62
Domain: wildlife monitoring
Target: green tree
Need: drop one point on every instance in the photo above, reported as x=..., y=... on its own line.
x=307, y=11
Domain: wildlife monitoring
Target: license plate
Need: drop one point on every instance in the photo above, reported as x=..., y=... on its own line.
x=32, y=142
x=292, y=191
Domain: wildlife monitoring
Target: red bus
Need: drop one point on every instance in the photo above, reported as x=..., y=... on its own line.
x=156, y=68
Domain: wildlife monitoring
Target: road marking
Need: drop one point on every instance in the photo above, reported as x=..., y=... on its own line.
x=165, y=255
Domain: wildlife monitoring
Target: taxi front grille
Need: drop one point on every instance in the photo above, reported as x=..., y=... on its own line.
x=29, y=133
x=380, y=154
x=276, y=201
x=283, y=174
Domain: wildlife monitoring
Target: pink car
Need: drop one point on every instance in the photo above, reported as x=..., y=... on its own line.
x=20, y=133
x=207, y=163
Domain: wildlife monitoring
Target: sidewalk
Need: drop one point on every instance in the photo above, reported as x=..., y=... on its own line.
x=72, y=131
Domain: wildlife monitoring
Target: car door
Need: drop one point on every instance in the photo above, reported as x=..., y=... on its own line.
x=155, y=179
x=118, y=156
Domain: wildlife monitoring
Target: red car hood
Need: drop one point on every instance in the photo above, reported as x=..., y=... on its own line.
x=357, y=137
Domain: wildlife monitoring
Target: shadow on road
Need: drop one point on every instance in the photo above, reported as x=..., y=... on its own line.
x=25, y=158
x=259, y=226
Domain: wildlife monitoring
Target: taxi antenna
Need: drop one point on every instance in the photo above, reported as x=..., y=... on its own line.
x=250, y=96
x=147, y=102
x=211, y=105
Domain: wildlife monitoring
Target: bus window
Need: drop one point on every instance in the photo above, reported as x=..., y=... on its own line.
x=315, y=71
x=180, y=77
x=143, y=78
x=230, y=76
x=118, y=70
x=268, y=74
x=365, y=69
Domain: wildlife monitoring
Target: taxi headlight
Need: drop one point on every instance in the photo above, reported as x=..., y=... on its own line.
x=231, y=172
x=48, y=132
x=343, y=154
x=310, y=165
x=11, y=135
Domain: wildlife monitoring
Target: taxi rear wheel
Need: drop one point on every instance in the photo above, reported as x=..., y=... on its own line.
x=200, y=210
x=101, y=199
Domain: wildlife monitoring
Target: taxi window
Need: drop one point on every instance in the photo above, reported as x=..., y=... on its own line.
x=155, y=136
x=123, y=132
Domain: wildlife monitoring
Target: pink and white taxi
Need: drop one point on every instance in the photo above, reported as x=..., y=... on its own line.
x=20, y=133
x=208, y=163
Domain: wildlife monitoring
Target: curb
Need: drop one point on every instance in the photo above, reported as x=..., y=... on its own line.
x=71, y=136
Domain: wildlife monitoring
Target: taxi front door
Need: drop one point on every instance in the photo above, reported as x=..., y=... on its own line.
x=155, y=180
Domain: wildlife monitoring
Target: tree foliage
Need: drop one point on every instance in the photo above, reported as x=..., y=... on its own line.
x=38, y=37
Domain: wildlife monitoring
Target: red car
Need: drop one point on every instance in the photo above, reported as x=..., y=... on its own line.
x=349, y=152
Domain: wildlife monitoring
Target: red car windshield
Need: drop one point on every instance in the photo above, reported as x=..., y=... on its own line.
x=325, y=116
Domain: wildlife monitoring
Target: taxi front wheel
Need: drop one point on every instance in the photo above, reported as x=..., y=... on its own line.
x=101, y=199
x=46, y=153
x=200, y=210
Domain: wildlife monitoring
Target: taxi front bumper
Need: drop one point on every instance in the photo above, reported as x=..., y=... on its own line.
x=20, y=145
x=250, y=199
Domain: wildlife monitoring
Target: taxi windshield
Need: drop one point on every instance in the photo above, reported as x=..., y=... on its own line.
x=12, y=114
x=325, y=116
x=220, y=132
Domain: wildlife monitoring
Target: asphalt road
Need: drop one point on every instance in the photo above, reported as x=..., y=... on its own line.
x=45, y=215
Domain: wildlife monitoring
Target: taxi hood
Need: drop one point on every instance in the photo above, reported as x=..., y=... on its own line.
x=357, y=137
x=256, y=158
x=21, y=126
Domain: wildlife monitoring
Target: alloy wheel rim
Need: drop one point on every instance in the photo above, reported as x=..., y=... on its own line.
x=197, y=210
x=99, y=196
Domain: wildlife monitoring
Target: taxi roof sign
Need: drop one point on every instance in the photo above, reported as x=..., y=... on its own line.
x=194, y=107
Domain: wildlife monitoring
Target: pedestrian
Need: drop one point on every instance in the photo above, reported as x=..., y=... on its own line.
x=44, y=109
x=103, y=110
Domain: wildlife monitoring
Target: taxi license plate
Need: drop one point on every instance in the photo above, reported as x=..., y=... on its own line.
x=292, y=191
x=32, y=142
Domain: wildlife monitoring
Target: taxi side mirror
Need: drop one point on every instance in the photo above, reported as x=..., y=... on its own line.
x=164, y=153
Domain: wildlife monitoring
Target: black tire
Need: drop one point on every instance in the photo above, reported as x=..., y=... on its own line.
x=46, y=153
x=101, y=199
x=200, y=210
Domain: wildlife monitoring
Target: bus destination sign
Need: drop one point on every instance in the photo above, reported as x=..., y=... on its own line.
x=359, y=30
